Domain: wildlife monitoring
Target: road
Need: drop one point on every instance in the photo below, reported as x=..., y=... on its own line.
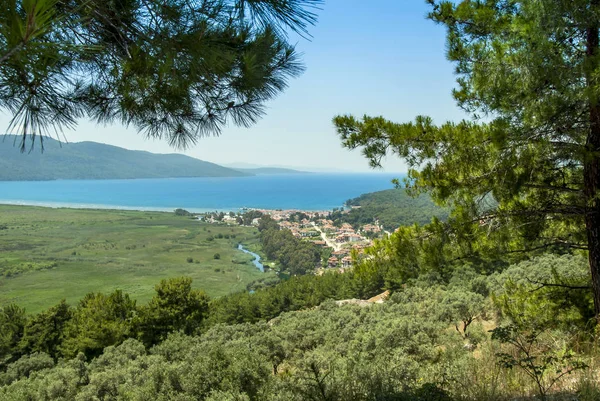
x=330, y=243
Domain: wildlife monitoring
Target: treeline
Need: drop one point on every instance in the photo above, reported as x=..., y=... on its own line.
x=392, y=208
x=294, y=256
x=245, y=218
x=100, y=320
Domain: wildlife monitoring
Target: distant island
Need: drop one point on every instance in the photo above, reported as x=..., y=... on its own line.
x=97, y=161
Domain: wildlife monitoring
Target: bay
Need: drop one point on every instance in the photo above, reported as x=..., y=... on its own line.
x=293, y=191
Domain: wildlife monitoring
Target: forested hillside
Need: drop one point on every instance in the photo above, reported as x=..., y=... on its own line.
x=392, y=208
x=91, y=160
x=418, y=345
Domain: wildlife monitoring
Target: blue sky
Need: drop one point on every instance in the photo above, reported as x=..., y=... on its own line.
x=379, y=57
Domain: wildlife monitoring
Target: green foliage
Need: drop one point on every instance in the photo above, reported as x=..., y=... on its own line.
x=525, y=178
x=25, y=366
x=250, y=215
x=98, y=321
x=182, y=212
x=266, y=303
x=546, y=292
x=44, y=332
x=414, y=251
x=176, y=306
x=462, y=307
x=12, y=324
x=255, y=347
x=294, y=255
x=12, y=270
x=100, y=250
x=392, y=208
x=217, y=256
x=333, y=353
x=178, y=72
x=540, y=358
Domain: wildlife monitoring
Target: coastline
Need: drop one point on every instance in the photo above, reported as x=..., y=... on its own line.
x=310, y=192
x=91, y=206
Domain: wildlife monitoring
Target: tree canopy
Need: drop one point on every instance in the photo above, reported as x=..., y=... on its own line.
x=524, y=170
x=177, y=70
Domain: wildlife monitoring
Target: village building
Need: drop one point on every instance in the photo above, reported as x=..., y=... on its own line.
x=340, y=239
x=341, y=253
x=354, y=238
x=332, y=262
x=371, y=228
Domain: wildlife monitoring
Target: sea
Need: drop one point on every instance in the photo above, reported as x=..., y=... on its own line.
x=290, y=191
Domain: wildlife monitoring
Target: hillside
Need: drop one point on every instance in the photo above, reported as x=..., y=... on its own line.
x=392, y=207
x=91, y=160
x=270, y=171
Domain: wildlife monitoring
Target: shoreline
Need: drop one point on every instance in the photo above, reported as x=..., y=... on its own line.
x=92, y=206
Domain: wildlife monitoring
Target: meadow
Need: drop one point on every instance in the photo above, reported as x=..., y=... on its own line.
x=49, y=254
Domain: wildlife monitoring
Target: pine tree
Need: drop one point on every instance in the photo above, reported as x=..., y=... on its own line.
x=176, y=70
x=528, y=161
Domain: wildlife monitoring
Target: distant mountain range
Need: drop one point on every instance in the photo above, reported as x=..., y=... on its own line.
x=270, y=171
x=91, y=160
x=286, y=169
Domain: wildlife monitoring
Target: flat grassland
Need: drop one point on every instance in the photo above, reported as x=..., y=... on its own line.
x=49, y=254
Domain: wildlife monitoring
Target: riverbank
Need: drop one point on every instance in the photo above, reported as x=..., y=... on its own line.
x=256, y=260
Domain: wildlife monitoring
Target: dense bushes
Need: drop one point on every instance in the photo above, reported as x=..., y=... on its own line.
x=295, y=256
x=14, y=270
x=404, y=349
x=275, y=345
x=266, y=303
x=392, y=208
x=101, y=320
x=330, y=353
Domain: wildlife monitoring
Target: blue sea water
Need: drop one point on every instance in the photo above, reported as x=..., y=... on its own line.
x=297, y=191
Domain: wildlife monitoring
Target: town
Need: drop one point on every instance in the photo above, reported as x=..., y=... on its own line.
x=343, y=240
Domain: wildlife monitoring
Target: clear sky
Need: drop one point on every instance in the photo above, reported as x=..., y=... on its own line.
x=379, y=57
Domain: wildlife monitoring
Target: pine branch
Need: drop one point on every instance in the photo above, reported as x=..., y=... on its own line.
x=555, y=285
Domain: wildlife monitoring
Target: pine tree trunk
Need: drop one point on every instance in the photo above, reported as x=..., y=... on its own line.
x=591, y=169
x=592, y=223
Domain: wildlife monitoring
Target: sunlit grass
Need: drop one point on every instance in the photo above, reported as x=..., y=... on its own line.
x=100, y=251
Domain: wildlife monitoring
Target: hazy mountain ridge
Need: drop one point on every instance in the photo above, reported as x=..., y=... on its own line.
x=271, y=171
x=92, y=160
x=304, y=169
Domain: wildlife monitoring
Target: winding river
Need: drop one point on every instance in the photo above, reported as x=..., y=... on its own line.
x=256, y=260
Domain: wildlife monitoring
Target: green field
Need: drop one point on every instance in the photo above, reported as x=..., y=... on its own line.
x=49, y=254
